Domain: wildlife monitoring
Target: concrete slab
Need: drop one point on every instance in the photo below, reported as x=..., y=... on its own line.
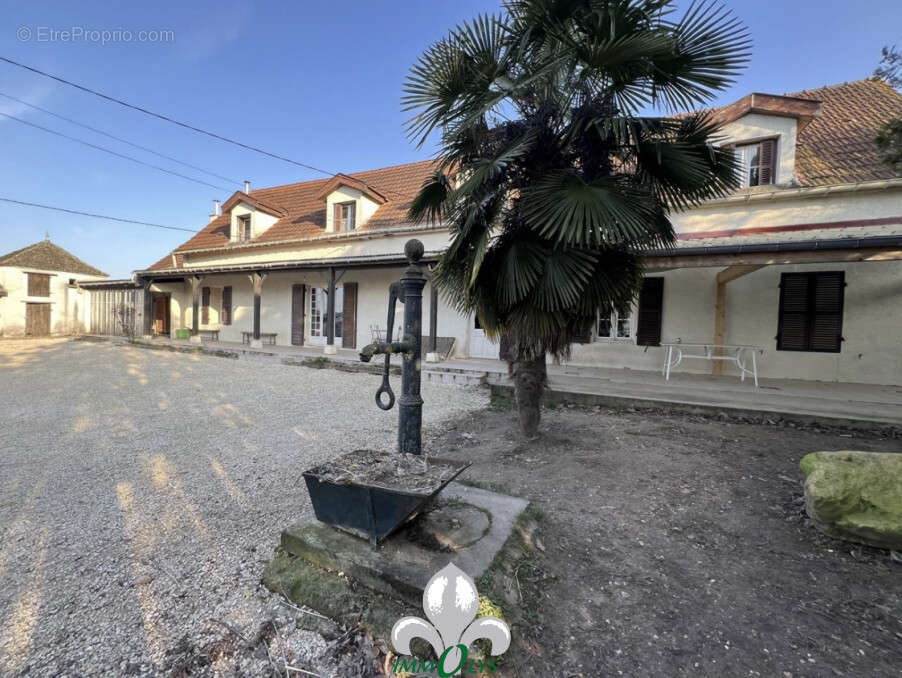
x=468, y=527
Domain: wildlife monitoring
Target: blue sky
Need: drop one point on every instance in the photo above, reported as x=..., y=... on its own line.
x=316, y=81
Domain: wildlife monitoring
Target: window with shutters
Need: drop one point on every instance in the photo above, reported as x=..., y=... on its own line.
x=38, y=284
x=651, y=312
x=225, y=314
x=811, y=310
x=345, y=216
x=757, y=163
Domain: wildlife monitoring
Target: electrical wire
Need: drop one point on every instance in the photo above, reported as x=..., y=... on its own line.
x=168, y=119
x=116, y=153
x=120, y=139
x=96, y=216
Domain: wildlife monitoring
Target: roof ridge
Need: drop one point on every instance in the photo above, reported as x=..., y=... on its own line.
x=354, y=175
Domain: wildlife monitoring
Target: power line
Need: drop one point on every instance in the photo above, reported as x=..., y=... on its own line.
x=120, y=139
x=116, y=153
x=165, y=117
x=96, y=216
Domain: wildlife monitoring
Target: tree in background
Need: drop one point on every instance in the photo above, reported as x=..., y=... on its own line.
x=553, y=178
x=889, y=137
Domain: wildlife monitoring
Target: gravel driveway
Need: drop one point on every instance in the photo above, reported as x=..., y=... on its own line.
x=142, y=492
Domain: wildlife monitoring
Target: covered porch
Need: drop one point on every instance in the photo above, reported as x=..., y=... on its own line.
x=325, y=305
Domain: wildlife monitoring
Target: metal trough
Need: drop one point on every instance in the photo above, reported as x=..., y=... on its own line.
x=371, y=511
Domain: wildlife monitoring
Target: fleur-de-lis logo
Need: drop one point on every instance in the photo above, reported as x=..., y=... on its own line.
x=451, y=602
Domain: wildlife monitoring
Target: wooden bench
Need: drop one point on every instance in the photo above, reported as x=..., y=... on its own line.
x=265, y=337
x=209, y=335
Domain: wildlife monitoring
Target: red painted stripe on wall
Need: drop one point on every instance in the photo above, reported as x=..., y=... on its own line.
x=857, y=223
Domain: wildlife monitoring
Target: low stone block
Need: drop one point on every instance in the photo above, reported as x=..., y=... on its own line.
x=856, y=496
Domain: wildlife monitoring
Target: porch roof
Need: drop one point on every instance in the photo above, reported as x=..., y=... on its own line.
x=872, y=248
x=367, y=261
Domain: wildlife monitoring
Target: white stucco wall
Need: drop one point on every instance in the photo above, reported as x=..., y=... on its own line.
x=872, y=325
x=365, y=208
x=260, y=221
x=754, y=127
x=68, y=304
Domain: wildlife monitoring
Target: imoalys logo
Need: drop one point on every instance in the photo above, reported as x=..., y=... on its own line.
x=450, y=601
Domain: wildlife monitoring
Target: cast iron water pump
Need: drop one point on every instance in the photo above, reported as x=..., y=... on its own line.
x=409, y=291
x=375, y=507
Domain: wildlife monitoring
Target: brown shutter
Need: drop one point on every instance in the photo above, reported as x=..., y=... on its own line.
x=226, y=318
x=792, y=328
x=811, y=310
x=767, y=162
x=205, y=306
x=38, y=285
x=651, y=312
x=349, y=316
x=336, y=211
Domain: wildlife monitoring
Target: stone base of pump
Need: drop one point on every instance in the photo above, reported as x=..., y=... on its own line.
x=467, y=526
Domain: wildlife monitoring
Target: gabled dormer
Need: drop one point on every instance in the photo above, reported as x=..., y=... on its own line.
x=763, y=130
x=249, y=218
x=349, y=203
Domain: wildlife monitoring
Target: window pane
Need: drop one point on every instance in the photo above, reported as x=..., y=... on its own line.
x=623, y=326
x=604, y=324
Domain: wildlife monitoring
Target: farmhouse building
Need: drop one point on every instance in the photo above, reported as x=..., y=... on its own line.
x=802, y=262
x=40, y=292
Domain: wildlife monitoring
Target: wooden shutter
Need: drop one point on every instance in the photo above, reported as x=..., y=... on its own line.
x=38, y=284
x=205, y=306
x=767, y=162
x=811, y=310
x=349, y=316
x=226, y=316
x=651, y=312
x=336, y=212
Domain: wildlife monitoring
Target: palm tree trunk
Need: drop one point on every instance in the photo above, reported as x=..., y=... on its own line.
x=530, y=378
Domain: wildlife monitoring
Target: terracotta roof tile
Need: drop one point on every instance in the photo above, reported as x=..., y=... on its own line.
x=838, y=146
x=306, y=211
x=46, y=256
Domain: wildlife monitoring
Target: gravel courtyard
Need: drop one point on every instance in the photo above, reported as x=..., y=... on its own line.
x=141, y=493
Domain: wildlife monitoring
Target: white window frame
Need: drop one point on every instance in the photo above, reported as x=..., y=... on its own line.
x=348, y=208
x=744, y=156
x=615, y=320
x=245, y=229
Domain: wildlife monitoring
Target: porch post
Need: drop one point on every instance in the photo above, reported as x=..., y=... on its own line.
x=194, y=281
x=432, y=355
x=720, y=308
x=148, y=306
x=257, y=279
x=330, y=314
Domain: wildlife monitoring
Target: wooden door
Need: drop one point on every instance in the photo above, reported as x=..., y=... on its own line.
x=298, y=299
x=161, y=315
x=37, y=320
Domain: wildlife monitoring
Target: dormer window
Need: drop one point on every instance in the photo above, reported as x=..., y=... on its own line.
x=244, y=228
x=756, y=163
x=345, y=216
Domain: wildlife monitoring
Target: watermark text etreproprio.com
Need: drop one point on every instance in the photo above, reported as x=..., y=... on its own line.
x=100, y=36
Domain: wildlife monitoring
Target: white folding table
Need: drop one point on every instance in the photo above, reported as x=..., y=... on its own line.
x=738, y=354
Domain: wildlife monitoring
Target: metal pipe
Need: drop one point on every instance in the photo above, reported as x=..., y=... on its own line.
x=410, y=411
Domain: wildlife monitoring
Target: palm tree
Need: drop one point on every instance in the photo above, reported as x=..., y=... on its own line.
x=552, y=177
